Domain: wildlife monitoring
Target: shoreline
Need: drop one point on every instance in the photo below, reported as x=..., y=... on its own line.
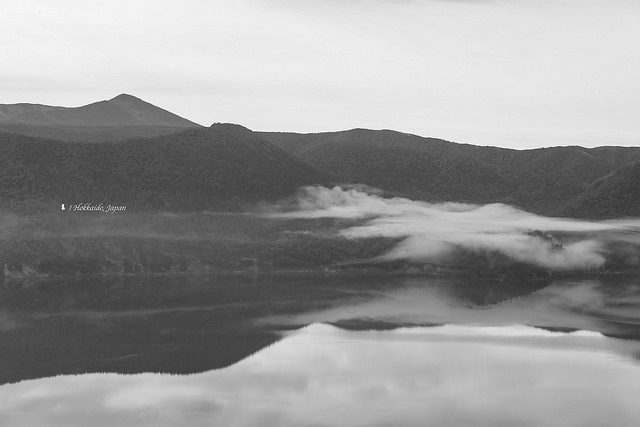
x=15, y=278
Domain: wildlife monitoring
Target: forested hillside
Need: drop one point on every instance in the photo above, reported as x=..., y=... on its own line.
x=543, y=180
x=89, y=133
x=180, y=181
x=208, y=168
x=613, y=196
x=150, y=163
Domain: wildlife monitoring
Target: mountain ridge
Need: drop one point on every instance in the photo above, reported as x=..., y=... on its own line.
x=122, y=110
x=541, y=180
x=547, y=181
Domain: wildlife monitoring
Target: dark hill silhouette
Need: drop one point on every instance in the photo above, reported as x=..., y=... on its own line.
x=206, y=168
x=542, y=180
x=123, y=110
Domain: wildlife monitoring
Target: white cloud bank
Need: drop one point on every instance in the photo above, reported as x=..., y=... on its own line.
x=431, y=231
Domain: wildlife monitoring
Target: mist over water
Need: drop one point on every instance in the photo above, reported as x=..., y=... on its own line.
x=432, y=231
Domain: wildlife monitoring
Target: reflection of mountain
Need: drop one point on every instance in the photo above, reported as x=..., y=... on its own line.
x=129, y=325
x=188, y=324
x=321, y=375
x=608, y=306
x=480, y=294
x=486, y=293
x=169, y=343
x=125, y=327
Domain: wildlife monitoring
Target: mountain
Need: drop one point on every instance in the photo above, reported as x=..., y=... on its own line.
x=549, y=181
x=543, y=180
x=89, y=133
x=612, y=196
x=409, y=165
x=123, y=110
x=221, y=167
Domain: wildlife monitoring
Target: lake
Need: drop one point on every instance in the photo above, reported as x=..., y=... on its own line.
x=320, y=351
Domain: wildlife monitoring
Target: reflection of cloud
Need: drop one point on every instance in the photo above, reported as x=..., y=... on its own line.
x=563, y=304
x=452, y=376
x=431, y=231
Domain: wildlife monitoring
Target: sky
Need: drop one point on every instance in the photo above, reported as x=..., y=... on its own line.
x=510, y=73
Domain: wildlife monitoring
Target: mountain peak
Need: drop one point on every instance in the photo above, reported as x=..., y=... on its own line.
x=125, y=97
x=123, y=110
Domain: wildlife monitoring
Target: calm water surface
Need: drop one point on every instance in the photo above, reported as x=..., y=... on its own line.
x=321, y=352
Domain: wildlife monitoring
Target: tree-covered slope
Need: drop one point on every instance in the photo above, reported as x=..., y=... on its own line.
x=424, y=168
x=89, y=133
x=542, y=180
x=217, y=167
x=615, y=195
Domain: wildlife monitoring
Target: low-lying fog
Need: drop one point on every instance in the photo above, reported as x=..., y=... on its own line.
x=431, y=231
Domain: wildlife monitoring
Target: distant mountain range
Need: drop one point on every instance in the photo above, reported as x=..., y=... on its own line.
x=123, y=110
x=158, y=160
x=122, y=117
x=550, y=181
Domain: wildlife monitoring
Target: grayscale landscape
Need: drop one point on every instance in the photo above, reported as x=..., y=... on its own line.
x=374, y=213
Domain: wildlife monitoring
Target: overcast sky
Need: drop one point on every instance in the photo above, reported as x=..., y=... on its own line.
x=513, y=73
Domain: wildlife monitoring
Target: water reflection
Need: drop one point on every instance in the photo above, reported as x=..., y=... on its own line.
x=195, y=324
x=609, y=306
x=321, y=375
